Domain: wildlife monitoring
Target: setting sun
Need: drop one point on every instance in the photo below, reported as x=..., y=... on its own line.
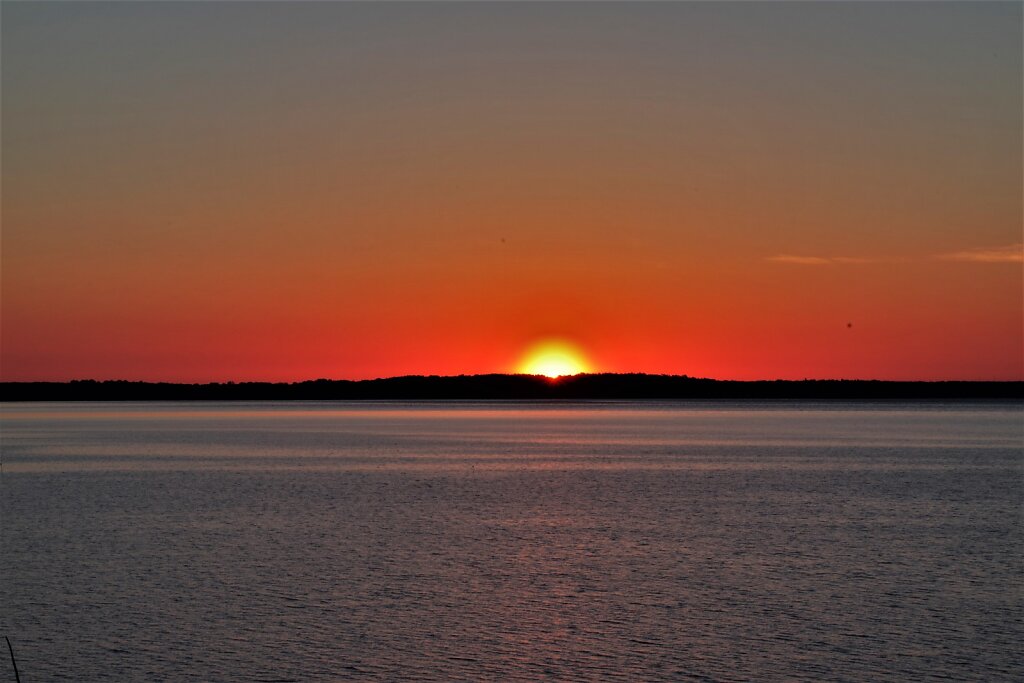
x=553, y=358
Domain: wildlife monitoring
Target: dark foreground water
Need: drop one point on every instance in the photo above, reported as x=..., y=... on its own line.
x=712, y=542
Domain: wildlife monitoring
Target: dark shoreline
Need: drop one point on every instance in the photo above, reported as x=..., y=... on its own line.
x=512, y=387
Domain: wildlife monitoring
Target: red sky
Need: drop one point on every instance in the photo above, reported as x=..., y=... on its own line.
x=264, y=191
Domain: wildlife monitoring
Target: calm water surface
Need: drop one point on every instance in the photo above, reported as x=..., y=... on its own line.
x=597, y=541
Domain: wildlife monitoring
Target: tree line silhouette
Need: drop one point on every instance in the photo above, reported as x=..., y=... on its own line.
x=605, y=386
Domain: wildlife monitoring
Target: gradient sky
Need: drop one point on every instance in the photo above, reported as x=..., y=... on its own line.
x=286, y=191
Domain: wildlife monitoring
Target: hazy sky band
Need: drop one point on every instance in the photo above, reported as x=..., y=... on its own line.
x=284, y=190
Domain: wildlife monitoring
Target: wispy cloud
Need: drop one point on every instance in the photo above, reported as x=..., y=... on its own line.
x=823, y=260
x=1011, y=253
x=801, y=260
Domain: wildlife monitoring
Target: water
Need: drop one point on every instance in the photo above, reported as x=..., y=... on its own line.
x=712, y=542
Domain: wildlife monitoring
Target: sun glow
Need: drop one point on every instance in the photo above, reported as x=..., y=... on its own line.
x=553, y=358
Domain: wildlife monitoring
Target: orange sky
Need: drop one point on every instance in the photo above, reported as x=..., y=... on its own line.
x=262, y=191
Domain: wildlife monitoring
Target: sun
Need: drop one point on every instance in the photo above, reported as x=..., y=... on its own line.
x=553, y=358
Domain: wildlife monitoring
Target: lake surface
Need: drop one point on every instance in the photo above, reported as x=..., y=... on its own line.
x=484, y=541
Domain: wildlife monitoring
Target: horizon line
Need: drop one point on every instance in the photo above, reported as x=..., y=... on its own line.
x=544, y=378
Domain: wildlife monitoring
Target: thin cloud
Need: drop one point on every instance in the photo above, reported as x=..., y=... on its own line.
x=1011, y=253
x=823, y=260
x=801, y=260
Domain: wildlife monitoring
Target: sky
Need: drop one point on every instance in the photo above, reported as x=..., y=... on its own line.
x=215, y=191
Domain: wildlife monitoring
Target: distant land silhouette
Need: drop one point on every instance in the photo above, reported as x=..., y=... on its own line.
x=605, y=386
